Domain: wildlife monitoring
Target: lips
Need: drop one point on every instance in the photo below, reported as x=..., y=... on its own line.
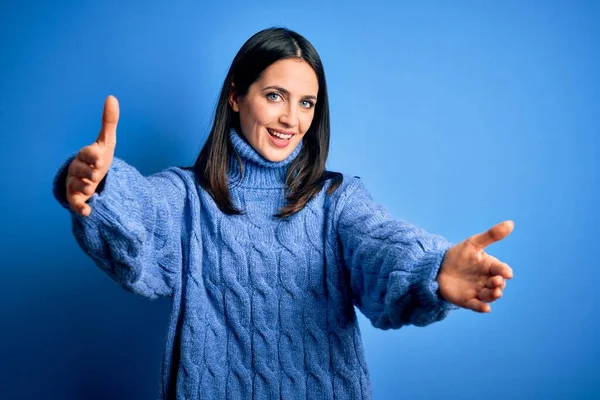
x=285, y=135
x=279, y=139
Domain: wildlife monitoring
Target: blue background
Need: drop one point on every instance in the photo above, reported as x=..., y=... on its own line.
x=457, y=115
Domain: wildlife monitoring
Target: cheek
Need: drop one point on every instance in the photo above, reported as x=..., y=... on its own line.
x=306, y=121
x=263, y=113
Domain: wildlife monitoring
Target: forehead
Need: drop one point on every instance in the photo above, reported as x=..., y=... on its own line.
x=294, y=75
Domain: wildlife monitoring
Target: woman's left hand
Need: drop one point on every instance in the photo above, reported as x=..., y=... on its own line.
x=469, y=277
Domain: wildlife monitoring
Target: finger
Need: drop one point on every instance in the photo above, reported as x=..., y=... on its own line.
x=110, y=119
x=79, y=205
x=77, y=185
x=79, y=169
x=502, y=269
x=492, y=267
x=494, y=234
x=489, y=295
x=478, y=306
x=502, y=285
x=496, y=281
x=91, y=155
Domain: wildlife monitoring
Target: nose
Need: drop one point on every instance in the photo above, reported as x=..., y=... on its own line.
x=289, y=116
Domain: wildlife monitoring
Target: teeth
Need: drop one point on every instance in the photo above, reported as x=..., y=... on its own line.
x=279, y=135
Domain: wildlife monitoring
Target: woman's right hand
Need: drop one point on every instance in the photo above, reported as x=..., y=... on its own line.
x=92, y=163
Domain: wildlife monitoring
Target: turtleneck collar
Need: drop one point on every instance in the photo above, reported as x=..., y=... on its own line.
x=257, y=170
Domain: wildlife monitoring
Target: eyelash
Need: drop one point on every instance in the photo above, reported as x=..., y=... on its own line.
x=311, y=104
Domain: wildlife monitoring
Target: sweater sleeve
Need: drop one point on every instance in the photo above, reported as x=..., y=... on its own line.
x=392, y=265
x=134, y=230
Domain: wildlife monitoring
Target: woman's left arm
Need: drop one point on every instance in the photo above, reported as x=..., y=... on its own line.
x=393, y=265
x=400, y=274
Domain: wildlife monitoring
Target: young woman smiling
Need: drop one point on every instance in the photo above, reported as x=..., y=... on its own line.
x=263, y=251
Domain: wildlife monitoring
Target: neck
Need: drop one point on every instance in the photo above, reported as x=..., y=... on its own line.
x=256, y=170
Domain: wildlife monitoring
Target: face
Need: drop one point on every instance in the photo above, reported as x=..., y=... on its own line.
x=278, y=108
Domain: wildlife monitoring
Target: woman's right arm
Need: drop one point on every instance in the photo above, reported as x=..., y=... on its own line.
x=130, y=225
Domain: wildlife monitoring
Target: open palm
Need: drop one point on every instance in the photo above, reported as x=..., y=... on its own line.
x=469, y=277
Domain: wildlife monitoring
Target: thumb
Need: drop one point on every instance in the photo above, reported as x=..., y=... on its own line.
x=110, y=119
x=494, y=234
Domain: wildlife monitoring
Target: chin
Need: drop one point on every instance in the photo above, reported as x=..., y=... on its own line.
x=276, y=156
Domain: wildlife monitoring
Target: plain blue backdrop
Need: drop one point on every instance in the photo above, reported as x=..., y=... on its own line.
x=457, y=115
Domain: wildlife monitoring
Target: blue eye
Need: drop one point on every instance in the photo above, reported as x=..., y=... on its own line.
x=309, y=104
x=269, y=96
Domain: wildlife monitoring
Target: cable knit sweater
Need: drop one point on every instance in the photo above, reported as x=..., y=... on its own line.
x=262, y=308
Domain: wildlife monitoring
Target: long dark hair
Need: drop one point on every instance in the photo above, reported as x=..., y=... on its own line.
x=306, y=175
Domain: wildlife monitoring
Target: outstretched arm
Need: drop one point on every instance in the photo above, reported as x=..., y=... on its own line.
x=393, y=265
x=130, y=225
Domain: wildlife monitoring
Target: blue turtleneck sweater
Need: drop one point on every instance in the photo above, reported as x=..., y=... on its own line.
x=262, y=308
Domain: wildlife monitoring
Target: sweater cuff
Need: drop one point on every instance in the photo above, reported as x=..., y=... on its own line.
x=111, y=205
x=429, y=293
x=59, y=183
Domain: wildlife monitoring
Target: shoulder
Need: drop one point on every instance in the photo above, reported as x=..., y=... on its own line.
x=341, y=186
x=340, y=183
x=182, y=176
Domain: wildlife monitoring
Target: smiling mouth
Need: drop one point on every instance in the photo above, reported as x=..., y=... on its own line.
x=280, y=135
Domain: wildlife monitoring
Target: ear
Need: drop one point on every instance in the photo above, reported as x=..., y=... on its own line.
x=233, y=99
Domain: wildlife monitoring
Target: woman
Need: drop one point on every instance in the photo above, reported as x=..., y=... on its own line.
x=263, y=251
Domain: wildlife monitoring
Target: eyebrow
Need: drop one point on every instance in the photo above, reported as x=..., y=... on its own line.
x=286, y=92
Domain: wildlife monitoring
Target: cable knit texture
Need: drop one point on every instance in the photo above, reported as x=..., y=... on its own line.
x=263, y=308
